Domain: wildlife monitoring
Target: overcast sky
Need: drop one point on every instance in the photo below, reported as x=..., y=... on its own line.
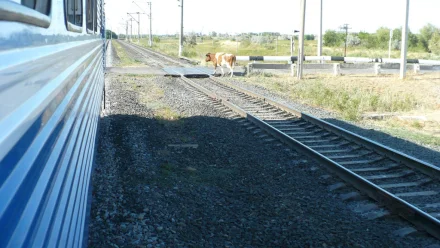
x=236, y=16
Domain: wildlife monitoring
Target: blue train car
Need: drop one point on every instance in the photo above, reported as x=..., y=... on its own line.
x=51, y=85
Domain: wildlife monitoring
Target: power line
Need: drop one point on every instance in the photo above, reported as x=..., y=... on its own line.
x=404, y=42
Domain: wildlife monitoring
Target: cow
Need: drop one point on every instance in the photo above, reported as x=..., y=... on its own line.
x=220, y=59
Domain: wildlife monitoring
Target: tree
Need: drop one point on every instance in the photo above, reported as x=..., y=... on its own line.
x=191, y=40
x=383, y=36
x=397, y=34
x=332, y=38
x=364, y=38
x=426, y=34
x=397, y=38
x=353, y=40
x=108, y=36
x=413, y=40
x=309, y=37
x=434, y=43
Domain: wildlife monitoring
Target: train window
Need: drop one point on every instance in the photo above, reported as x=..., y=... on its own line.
x=74, y=15
x=33, y=12
x=91, y=15
x=42, y=6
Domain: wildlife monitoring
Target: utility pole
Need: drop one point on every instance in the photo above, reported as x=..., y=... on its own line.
x=139, y=24
x=291, y=46
x=345, y=26
x=126, y=29
x=320, y=30
x=301, y=39
x=147, y=15
x=151, y=27
x=389, y=45
x=236, y=44
x=292, y=42
x=181, y=28
x=404, y=42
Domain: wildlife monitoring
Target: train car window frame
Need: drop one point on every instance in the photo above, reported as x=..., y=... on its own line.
x=73, y=10
x=34, y=12
x=91, y=16
x=98, y=18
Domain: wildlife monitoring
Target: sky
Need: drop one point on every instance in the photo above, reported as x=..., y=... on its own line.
x=283, y=16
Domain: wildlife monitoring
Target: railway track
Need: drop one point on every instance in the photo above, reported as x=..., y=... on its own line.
x=407, y=186
x=155, y=58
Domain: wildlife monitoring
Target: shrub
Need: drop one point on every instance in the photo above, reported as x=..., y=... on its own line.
x=426, y=34
x=434, y=43
x=189, y=54
x=309, y=37
x=261, y=39
x=245, y=43
x=353, y=40
x=395, y=44
x=331, y=38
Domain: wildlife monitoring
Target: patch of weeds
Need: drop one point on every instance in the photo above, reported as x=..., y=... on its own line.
x=189, y=54
x=417, y=125
x=262, y=73
x=373, y=102
x=124, y=59
x=165, y=114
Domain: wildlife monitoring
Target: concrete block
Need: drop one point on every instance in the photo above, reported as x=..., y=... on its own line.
x=377, y=68
x=336, y=69
x=416, y=68
x=293, y=69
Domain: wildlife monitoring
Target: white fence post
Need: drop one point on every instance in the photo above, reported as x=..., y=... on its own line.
x=416, y=68
x=292, y=69
x=377, y=68
x=337, y=69
x=248, y=69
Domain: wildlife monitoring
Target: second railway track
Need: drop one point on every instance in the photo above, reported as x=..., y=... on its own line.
x=405, y=185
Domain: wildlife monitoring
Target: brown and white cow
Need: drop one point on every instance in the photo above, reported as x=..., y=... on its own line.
x=220, y=59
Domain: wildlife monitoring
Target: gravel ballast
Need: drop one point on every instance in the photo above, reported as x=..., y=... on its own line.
x=199, y=179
